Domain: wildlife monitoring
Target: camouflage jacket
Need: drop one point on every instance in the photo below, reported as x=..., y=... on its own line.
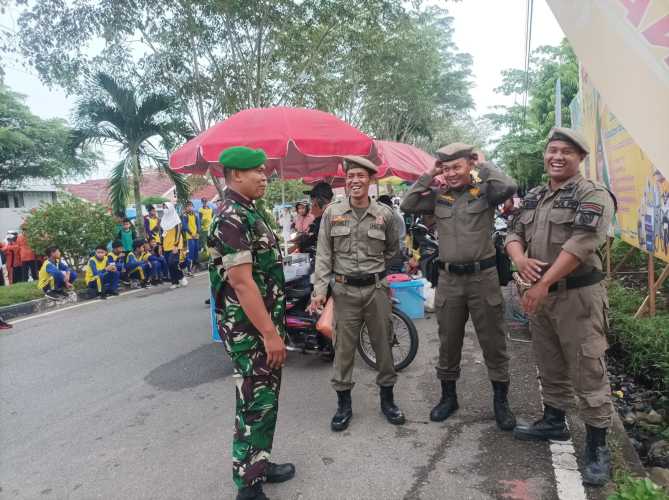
x=240, y=235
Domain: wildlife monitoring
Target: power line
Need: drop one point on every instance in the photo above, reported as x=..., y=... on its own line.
x=529, y=13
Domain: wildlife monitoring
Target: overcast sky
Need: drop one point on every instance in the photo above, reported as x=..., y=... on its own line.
x=492, y=31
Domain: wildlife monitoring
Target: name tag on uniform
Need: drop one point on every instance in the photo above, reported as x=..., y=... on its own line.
x=445, y=199
x=566, y=203
x=529, y=203
x=340, y=219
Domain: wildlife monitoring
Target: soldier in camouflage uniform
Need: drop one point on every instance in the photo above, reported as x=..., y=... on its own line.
x=554, y=242
x=246, y=275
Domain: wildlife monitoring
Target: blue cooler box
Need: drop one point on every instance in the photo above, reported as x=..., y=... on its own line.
x=410, y=297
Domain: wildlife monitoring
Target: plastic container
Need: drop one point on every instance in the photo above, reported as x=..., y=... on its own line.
x=410, y=297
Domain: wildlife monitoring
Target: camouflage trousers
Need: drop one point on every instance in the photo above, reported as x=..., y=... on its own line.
x=256, y=412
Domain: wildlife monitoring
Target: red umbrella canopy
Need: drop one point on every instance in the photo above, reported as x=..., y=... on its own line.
x=298, y=142
x=397, y=159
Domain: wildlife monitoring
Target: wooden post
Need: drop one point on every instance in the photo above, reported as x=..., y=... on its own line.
x=624, y=259
x=658, y=283
x=651, y=284
x=608, y=258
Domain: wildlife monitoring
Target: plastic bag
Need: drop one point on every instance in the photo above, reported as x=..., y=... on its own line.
x=326, y=322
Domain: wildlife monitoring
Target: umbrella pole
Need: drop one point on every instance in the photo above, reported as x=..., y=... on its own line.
x=283, y=203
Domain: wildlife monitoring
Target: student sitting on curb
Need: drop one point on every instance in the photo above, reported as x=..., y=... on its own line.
x=101, y=277
x=137, y=269
x=158, y=259
x=153, y=274
x=55, y=277
x=117, y=257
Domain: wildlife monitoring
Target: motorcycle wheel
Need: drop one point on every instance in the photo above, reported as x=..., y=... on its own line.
x=404, y=346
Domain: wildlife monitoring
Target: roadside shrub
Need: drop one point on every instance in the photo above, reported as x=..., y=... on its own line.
x=629, y=488
x=642, y=343
x=75, y=226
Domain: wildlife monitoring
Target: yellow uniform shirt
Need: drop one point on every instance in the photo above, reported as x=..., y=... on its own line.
x=206, y=216
x=172, y=239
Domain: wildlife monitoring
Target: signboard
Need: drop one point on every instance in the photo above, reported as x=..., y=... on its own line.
x=618, y=162
x=624, y=44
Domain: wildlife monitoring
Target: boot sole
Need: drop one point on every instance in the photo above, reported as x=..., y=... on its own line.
x=340, y=427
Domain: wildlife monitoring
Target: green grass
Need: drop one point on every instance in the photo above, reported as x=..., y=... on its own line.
x=642, y=343
x=19, y=292
x=24, y=292
x=629, y=488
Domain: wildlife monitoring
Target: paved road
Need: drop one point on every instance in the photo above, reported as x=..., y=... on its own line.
x=129, y=399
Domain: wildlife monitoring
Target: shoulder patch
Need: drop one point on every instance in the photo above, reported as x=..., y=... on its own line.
x=588, y=216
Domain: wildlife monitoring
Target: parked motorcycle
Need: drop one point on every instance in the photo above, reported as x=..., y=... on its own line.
x=302, y=335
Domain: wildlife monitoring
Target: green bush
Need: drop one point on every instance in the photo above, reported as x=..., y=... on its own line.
x=75, y=226
x=629, y=488
x=643, y=342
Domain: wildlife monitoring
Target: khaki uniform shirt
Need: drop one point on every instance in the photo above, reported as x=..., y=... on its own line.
x=464, y=218
x=351, y=246
x=574, y=218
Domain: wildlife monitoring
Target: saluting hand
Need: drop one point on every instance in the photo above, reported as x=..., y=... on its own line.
x=530, y=269
x=275, y=349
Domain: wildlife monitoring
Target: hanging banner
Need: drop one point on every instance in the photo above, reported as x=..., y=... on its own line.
x=624, y=44
x=618, y=162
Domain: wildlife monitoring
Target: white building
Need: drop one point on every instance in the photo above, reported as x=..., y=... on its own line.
x=16, y=202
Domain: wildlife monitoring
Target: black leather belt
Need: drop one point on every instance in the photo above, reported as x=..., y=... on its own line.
x=578, y=281
x=361, y=279
x=469, y=267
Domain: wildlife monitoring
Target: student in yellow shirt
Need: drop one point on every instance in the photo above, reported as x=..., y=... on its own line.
x=206, y=214
x=190, y=222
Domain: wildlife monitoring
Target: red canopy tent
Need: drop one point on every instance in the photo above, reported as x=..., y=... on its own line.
x=298, y=142
x=397, y=160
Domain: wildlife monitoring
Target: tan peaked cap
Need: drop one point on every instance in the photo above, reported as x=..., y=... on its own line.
x=454, y=151
x=359, y=161
x=569, y=135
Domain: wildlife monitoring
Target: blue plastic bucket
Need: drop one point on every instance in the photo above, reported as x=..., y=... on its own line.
x=410, y=297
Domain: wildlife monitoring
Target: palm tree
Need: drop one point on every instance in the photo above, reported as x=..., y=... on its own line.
x=116, y=117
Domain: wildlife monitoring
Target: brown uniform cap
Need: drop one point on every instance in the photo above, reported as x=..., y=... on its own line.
x=359, y=161
x=454, y=151
x=568, y=135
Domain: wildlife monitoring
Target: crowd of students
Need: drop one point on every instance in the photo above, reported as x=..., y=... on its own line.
x=169, y=253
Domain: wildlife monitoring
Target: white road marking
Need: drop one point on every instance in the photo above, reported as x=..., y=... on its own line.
x=568, y=479
x=83, y=304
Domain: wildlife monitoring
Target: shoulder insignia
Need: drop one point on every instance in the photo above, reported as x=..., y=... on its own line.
x=475, y=192
x=588, y=215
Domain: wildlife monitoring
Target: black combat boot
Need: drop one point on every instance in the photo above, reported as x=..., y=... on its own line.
x=505, y=418
x=278, y=473
x=344, y=413
x=389, y=408
x=252, y=493
x=552, y=426
x=597, y=457
x=447, y=404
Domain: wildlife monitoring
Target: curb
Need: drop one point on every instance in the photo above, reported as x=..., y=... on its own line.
x=37, y=306
x=628, y=453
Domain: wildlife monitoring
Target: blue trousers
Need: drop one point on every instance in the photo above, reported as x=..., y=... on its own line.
x=173, y=266
x=193, y=253
x=106, y=281
x=159, y=263
x=138, y=270
x=59, y=280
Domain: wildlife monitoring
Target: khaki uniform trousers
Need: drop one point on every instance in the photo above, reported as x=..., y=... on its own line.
x=569, y=340
x=478, y=294
x=353, y=307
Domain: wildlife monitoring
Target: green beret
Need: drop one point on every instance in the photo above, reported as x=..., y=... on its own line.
x=242, y=158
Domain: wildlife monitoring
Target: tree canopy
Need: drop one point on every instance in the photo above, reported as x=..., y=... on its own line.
x=33, y=148
x=135, y=123
x=387, y=66
x=520, y=149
